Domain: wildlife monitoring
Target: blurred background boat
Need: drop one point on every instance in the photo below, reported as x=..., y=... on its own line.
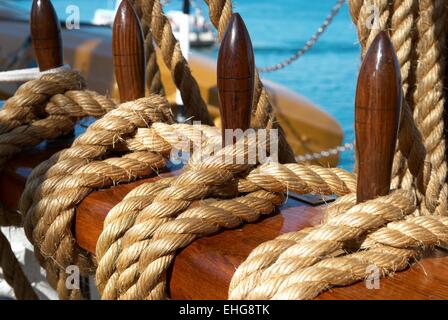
x=325, y=75
x=201, y=31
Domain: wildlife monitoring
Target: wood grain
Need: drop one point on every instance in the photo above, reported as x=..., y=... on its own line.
x=129, y=53
x=236, y=72
x=377, y=114
x=46, y=35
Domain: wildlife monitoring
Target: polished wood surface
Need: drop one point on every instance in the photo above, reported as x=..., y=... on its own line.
x=377, y=114
x=46, y=35
x=203, y=270
x=236, y=72
x=129, y=53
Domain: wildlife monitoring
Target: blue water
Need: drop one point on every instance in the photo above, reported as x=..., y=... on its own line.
x=326, y=74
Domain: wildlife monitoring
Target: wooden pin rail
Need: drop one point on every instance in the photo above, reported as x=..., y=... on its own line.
x=203, y=270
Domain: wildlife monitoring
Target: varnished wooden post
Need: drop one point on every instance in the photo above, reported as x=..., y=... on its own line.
x=236, y=74
x=377, y=115
x=129, y=53
x=46, y=35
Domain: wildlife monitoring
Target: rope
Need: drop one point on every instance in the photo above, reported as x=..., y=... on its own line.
x=429, y=98
x=132, y=261
x=23, y=106
x=140, y=236
x=276, y=258
x=15, y=119
x=63, y=111
x=153, y=76
x=307, y=283
x=152, y=18
x=403, y=18
x=142, y=233
x=292, y=276
x=13, y=273
x=387, y=248
x=309, y=44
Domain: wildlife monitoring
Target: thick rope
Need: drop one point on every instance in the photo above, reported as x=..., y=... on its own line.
x=308, y=282
x=63, y=110
x=24, y=105
x=429, y=97
x=143, y=232
x=13, y=273
x=295, y=278
x=57, y=185
x=153, y=76
x=136, y=248
x=414, y=232
x=71, y=174
x=152, y=18
x=387, y=248
x=273, y=259
x=372, y=17
x=16, y=130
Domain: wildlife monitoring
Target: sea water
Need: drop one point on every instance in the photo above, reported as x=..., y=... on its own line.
x=325, y=75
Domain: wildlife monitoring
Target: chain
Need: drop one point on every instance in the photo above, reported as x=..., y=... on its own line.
x=309, y=44
x=325, y=153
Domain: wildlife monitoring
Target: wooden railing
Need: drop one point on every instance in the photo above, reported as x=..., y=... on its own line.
x=204, y=268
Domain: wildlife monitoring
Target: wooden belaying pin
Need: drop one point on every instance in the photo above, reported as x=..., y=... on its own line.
x=236, y=75
x=129, y=53
x=377, y=116
x=46, y=35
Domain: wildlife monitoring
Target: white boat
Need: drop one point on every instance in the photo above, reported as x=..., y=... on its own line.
x=200, y=35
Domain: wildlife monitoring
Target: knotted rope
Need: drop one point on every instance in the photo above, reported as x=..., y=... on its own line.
x=142, y=233
x=156, y=24
x=282, y=269
x=20, y=124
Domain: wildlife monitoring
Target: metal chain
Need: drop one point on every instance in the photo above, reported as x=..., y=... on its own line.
x=309, y=44
x=325, y=153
